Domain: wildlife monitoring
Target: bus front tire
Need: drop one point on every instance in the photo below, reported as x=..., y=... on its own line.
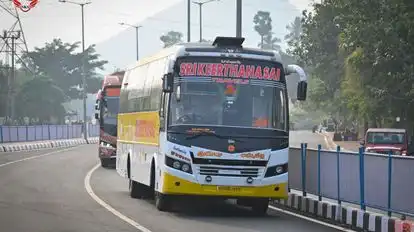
x=260, y=207
x=162, y=202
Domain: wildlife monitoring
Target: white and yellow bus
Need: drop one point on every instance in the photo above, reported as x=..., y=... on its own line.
x=207, y=120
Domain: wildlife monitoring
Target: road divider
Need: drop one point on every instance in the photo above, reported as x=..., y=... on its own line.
x=355, y=219
x=37, y=145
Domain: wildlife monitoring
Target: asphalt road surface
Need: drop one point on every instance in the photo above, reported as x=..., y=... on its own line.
x=302, y=136
x=64, y=190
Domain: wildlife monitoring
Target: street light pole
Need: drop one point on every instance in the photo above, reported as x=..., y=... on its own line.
x=84, y=95
x=239, y=18
x=200, y=4
x=188, y=20
x=201, y=22
x=136, y=35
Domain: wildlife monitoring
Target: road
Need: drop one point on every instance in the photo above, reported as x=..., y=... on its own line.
x=312, y=139
x=46, y=192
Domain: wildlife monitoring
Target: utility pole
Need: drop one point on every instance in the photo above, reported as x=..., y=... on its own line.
x=12, y=46
x=200, y=4
x=13, y=76
x=13, y=36
x=85, y=118
x=136, y=35
x=239, y=18
x=188, y=20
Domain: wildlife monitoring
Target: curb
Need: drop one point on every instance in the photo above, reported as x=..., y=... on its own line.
x=38, y=145
x=349, y=217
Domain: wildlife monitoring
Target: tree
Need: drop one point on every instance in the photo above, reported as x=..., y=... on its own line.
x=171, y=38
x=270, y=42
x=318, y=51
x=40, y=98
x=262, y=24
x=3, y=88
x=295, y=30
x=361, y=58
x=60, y=62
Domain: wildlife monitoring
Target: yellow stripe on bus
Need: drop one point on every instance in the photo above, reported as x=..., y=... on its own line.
x=140, y=127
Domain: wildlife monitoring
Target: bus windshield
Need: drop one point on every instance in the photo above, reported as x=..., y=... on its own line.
x=231, y=102
x=110, y=110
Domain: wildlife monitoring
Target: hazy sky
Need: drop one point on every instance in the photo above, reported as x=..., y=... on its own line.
x=51, y=19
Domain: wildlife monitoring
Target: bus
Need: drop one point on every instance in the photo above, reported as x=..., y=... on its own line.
x=207, y=121
x=106, y=111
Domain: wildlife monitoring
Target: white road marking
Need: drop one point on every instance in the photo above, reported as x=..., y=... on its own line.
x=37, y=156
x=128, y=220
x=311, y=219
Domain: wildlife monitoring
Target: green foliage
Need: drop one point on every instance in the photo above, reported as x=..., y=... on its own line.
x=360, y=59
x=57, y=79
x=171, y=38
x=40, y=98
x=295, y=31
x=263, y=26
x=63, y=64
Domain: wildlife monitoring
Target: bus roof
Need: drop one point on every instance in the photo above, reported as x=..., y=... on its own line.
x=207, y=49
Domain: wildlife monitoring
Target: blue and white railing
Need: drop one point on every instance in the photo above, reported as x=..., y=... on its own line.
x=383, y=182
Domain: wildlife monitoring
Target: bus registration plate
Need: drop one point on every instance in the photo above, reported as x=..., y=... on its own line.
x=228, y=189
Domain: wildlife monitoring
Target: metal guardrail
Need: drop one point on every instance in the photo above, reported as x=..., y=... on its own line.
x=383, y=182
x=10, y=134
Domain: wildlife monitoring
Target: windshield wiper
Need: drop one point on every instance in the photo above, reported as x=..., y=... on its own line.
x=203, y=133
x=262, y=137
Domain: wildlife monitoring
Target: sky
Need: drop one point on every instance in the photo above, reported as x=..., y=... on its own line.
x=51, y=19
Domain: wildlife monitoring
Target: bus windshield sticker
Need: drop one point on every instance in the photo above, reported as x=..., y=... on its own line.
x=209, y=154
x=230, y=81
x=253, y=156
x=200, y=130
x=229, y=71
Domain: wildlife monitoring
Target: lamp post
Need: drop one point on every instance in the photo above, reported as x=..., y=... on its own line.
x=188, y=20
x=82, y=5
x=239, y=18
x=136, y=34
x=200, y=5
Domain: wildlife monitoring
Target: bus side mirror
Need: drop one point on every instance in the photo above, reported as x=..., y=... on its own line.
x=302, y=89
x=97, y=109
x=167, y=83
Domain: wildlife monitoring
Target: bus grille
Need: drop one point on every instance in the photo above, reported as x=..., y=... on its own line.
x=228, y=171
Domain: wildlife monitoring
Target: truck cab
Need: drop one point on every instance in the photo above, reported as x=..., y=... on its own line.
x=384, y=140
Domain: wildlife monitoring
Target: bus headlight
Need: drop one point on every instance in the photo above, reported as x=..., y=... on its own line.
x=279, y=169
x=276, y=170
x=185, y=167
x=178, y=164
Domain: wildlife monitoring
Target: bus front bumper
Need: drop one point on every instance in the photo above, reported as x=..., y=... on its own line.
x=174, y=185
